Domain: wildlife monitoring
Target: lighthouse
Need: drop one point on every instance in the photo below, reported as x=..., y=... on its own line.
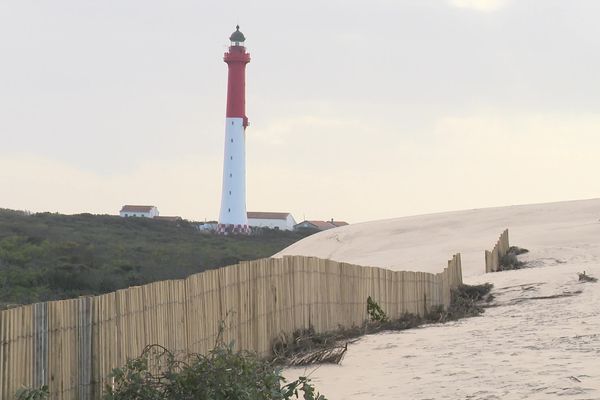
x=233, y=217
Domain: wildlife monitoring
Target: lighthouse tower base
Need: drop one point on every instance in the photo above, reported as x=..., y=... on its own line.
x=230, y=229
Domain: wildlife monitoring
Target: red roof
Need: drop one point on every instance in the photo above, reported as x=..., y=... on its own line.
x=267, y=215
x=324, y=225
x=320, y=225
x=129, y=208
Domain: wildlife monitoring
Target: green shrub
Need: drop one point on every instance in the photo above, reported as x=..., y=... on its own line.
x=223, y=374
x=472, y=292
x=32, y=394
x=48, y=256
x=510, y=261
x=375, y=312
x=517, y=250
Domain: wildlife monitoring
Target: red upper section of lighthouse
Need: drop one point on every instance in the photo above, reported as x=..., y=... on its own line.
x=236, y=59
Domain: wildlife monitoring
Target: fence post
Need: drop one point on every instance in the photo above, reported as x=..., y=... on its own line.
x=493, y=258
x=40, y=350
x=84, y=337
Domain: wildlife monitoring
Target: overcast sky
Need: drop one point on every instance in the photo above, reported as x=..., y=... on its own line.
x=358, y=110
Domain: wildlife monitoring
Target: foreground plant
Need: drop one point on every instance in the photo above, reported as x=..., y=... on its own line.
x=510, y=261
x=223, y=374
x=32, y=394
x=375, y=312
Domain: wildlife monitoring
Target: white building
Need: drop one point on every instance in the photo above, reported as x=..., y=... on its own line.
x=139, y=211
x=210, y=226
x=274, y=220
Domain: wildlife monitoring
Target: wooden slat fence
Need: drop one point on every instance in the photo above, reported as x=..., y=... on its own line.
x=492, y=258
x=72, y=345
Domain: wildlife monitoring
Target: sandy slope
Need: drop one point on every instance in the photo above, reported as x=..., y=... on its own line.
x=425, y=242
x=528, y=347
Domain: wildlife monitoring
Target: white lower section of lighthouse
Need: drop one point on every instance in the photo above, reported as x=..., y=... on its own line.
x=233, y=217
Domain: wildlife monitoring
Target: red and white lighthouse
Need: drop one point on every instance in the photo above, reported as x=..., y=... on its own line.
x=233, y=217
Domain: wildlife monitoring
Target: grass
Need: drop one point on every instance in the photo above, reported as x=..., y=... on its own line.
x=48, y=256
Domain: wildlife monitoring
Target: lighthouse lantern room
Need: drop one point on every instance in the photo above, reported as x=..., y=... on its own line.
x=233, y=217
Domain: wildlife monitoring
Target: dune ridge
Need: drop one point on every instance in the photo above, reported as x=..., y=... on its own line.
x=541, y=338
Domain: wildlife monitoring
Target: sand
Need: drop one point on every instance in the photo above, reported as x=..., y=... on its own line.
x=530, y=345
x=425, y=242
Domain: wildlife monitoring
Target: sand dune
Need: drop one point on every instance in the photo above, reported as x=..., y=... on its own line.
x=541, y=341
x=425, y=242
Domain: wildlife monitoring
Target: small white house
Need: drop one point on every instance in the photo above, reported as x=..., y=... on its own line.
x=210, y=226
x=274, y=220
x=139, y=211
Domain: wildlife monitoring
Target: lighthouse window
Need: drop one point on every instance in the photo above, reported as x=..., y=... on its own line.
x=231, y=122
x=231, y=140
x=230, y=175
x=231, y=157
x=229, y=210
x=230, y=192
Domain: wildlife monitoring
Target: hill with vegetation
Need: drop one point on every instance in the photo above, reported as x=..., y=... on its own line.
x=48, y=256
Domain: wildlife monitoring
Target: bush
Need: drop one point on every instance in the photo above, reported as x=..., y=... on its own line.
x=517, y=250
x=510, y=261
x=33, y=394
x=467, y=301
x=223, y=374
x=472, y=292
x=375, y=312
x=51, y=256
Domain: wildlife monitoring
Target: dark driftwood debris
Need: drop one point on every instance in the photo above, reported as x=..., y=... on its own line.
x=586, y=278
x=332, y=355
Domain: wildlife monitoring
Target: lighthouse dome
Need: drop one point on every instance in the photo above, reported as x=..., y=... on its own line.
x=237, y=36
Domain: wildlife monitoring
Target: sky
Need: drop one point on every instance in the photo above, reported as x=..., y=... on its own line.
x=358, y=110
